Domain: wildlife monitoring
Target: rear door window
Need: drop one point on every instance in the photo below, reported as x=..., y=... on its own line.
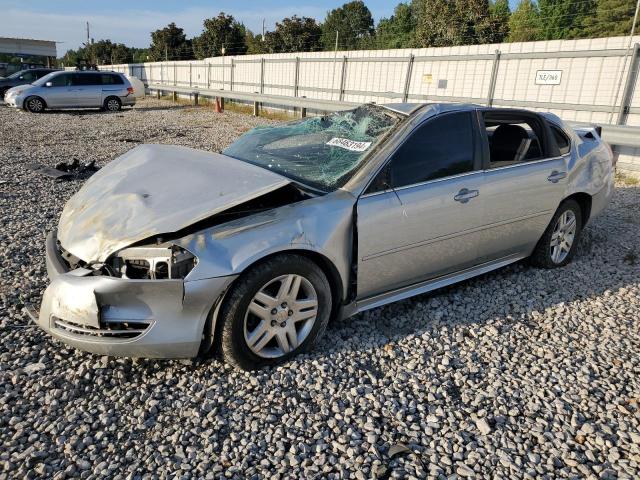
x=441, y=147
x=86, y=79
x=111, y=79
x=512, y=139
x=28, y=76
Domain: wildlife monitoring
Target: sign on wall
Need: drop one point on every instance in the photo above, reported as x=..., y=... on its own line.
x=548, y=77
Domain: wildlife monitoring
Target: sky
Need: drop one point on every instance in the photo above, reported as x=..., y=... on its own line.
x=130, y=22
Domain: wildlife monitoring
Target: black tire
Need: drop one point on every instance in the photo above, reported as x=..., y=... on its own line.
x=112, y=104
x=35, y=104
x=543, y=254
x=230, y=332
x=3, y=91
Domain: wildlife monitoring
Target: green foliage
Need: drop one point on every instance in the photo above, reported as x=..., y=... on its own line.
x=397, y=31
x=255, y=45
x=563, y=18
x=102, y=52
x=169, y=43
x=294, y=34
x=611, y=17
x=442, y=23
x=499, y=13
x=354, y=23
x=525, y=24
x=221, y=31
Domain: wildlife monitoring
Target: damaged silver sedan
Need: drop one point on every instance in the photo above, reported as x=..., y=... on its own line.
x=172, y=252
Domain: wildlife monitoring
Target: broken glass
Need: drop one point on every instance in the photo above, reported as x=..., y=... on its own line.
x=322, y=152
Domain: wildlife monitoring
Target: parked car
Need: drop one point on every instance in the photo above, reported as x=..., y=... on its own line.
x=23, y=77
x=106, y=90
x=168, y=251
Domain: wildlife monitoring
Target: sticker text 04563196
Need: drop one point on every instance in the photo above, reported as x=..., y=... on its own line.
x=347, y=144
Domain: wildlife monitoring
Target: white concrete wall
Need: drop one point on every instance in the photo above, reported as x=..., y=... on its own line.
x=585, y=93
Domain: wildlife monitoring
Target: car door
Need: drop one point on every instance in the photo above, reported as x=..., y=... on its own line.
x=420, y=218
x=520, y=197
x=87, y=90
x=59, y=90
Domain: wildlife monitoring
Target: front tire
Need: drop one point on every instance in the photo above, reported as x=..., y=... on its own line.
x=34, y=104
x=558, y=244
x=276, y=310
x=112, y=104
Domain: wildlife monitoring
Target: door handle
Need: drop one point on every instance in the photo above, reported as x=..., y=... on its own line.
x=465, y=195
x=556, y=176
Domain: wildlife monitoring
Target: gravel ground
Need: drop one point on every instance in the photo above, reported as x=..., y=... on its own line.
x=522, y=373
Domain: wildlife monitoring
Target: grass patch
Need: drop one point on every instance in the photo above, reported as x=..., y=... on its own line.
x=627, y=180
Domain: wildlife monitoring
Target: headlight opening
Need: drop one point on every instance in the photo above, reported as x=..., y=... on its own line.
x=153, y=263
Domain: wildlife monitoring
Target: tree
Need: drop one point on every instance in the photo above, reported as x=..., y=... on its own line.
x=294, y=34
x=102, y=52
x=524, y=23
x=434, y=26
x=563, y=18
x=442, y=23
x=169, y=43
x=397, y=31
x=352, y=21
x=221, y=31
x=255, y=44
x=611, y=17
x=499, y=14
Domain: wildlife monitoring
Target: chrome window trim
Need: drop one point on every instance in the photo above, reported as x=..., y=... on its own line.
x=521, y=164
x=426, y=182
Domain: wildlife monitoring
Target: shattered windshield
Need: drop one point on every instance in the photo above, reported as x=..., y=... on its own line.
x=322, y=152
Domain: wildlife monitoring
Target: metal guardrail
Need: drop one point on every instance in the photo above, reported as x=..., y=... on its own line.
x=619, y=135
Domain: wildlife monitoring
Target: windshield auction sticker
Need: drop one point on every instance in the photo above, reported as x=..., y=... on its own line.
x=347, y=144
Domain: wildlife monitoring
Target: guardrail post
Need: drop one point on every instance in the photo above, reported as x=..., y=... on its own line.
x=494, y=75
x=297, y=76
x=343, y=78
x=256, y=109
x=407, y=80
x=303, y=110
x=262, y=75
x=231, y=75
x=190, y=80
x=627, y=94
x=195, y=98
x=175, y=96
x=158, y=94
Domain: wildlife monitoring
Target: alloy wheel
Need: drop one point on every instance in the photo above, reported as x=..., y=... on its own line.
x=113, y=105
x=35, y=105
x=280, y=316
x=564, y=233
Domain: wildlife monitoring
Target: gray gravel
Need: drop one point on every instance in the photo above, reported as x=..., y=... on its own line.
x=522, y=373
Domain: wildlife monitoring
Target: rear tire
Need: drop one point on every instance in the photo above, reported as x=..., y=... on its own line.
x=112, y=104
x=558, y=244
x=275, y=310
x=34, y=104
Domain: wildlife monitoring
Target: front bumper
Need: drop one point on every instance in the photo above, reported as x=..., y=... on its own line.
x=15, y=101
x=121, y=317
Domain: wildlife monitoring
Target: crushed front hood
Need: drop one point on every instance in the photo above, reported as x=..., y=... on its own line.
x=155, y=189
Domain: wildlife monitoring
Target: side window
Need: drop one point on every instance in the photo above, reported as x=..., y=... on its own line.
x=86, y=79
x=563, y=142
x=512, y=139
x=442, y=147
x=110, y=79
x=61, y=80
x=28, y=76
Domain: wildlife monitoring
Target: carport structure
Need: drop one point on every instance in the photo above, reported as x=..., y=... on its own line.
x=29, y=48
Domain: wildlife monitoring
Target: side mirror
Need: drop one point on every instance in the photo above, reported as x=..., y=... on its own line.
x=48, y=84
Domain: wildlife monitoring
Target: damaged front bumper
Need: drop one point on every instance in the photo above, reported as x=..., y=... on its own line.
x=123, y=317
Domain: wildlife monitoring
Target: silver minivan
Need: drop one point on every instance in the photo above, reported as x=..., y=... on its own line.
x=106, y=90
